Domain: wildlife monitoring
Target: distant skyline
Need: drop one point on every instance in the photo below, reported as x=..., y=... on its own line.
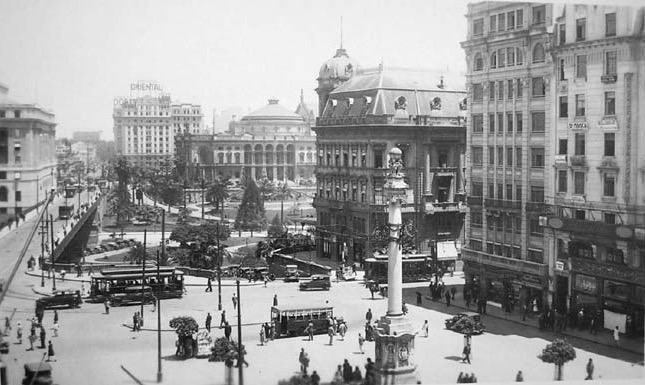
x=74, y=57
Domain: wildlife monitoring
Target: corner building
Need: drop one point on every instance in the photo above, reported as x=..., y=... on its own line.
x=363, y=115
x=508, y=79
x=597, y=222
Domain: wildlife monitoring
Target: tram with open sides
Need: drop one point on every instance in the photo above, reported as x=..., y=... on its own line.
x=125, y=280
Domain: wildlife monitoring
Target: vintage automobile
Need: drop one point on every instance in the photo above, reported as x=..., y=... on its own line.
x=132, y=295
x=38, y=373
x=465, y=323
x=60, y=299
x=318, y=282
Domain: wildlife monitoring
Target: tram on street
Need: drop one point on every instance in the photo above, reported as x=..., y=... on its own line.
x=293, y=321
x=117, y=282
x=416, y=267
x=70, y=190
x=65, y=212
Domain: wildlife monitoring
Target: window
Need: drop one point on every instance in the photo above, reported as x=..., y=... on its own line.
x=519, y=18
x=493, y=60
x=500, y=90
x=610, y=63
x=509, y=157
x=477, y=156
x=3, y=114
x=3, y=175
x=479, y=62
x=610, y=144
x=509, y=192
x=580, y=214
x=478, y=27
x=378, y=158
x=476, y=219
x=509, y=88
x=500, y=123
x=563, y=147
x=501, y=22
x=562, y=34
x=538, y=88
x=535, y=229
x=16, y=114
x=580, y=105
x=537, y=194
x=500, y=156
x=581, y=66
x=535, y=256
x=18, y=196
x=500, y=192
x=509, y=122
x=478, y=189
x=491, y=156
x=562, y=181
x=518, y=56
x=491, y=123
x=538, y=53
x=561, y=69
x=510, y=20
x=3, y=194
x=518, y=121
x=537, y=157
x=478, y=92
x=610, y=24
x=609, y=182
x=501, y=58
x=610, y=103
x=491, y=90
x=537, y=121
x=539, y=15
x=518, y=157
x=520, y=88
x=581, y=29
x=609, y=218
x=564, y=106
x=493, y=23
x=478, y=123
x=579, y=182
x=579, y=146
x=491, y=191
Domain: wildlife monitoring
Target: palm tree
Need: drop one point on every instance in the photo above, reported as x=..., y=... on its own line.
x=283, y=192
x=217, y=193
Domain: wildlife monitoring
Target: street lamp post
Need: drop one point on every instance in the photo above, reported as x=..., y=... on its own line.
x=240, y=351
x=66, y=212
x=53, y=266
x=219, y=270
x=43, y=229
x=203, y=191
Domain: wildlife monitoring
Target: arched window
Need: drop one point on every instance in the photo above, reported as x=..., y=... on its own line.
x=493, y=60
x=479, y=62
x=3, y=194
x=538, y=53
x=519, y=59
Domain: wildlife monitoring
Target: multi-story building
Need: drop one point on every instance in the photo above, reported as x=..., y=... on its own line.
x=270, y=142
x=27, y=155
x=187, y=118
x=84, y=152
x=509, y=76
x=363, y=115
x=597, y=224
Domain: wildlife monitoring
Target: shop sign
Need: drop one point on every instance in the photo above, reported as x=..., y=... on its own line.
x=555, y=222
x=640, y=234
x=559, y=265
x=624, y=232
x=586, y=283
x=529, y=280
x=578, y=125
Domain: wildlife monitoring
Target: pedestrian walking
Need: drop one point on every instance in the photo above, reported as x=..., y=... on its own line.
x=209, y=285
x=404, y=308
x=262, y=335
x=310, y=330
x=19, y=332
x=107, y=306
x=466, y=353
x=55, y=329
x=361, y=341
x=50, y=352
x=419, y=298
x=234, y=299
x=330, y=333
x=267, y=331
x=43, y=337
x=368, y=316
x=275, y=300
x=303, y=358
x=448, y=297
x=342, y=329
x=315, y=378
x=222, y=320
x=266, y=280
x=272, y=334
x=209, y=318
x=519, y=377
x=453, y=291
x=616, y=334
x=135, y=322
x=369, y=372
x=425, y=328
x=590, y=369
x=55, y=316
x=347, y=371
x=227, y=331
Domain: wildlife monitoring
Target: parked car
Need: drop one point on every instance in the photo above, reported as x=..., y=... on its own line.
x=318, y=282
x=60, y=298
x=466, y=323
x=38, y=373
x=292, y=277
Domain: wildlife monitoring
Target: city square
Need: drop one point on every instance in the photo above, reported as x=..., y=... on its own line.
x=246, y=199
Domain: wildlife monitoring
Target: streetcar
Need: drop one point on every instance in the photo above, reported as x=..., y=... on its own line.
x=110, y=282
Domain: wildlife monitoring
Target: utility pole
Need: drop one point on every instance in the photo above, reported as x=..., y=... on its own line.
x=219, y=270
x=202, y=198
x=159, y=374
x=240, y=351
x=43, y=229
x=143, y=273
x=66, y=210
x=53, y=266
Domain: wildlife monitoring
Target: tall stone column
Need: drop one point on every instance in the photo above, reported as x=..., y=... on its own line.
x=394, y=347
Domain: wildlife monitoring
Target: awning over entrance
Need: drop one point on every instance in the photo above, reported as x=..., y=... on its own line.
x=446, y=251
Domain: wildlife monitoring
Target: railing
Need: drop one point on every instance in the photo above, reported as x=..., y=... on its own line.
x=499, y=261
x=444, y=207
x=536, y=207
x=503, y=203
x=578, y=160
x=444, y=169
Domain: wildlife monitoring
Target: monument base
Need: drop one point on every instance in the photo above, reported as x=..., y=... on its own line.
x=394, y=358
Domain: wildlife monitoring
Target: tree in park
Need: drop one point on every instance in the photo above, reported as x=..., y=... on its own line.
x=250, y=215
x=283, y=192
x=201, y=240
x=558, y=352
x=217, y=193
x=185, y=327
x=276, y=229
x=135, y=255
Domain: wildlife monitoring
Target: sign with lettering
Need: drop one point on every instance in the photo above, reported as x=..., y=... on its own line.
x=586, y=283
x=578, y=125
x=559, y=266
x=146, y=86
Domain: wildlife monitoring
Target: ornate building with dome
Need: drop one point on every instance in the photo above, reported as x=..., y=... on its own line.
x=271, y=142
x=363, y=114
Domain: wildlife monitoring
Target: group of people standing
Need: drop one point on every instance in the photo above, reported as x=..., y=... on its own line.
x=344, y=373
x=36, y=331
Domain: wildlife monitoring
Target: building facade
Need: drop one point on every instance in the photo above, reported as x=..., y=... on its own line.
x=363, y=115
x=508, y=77
x=27, y=155
x=597, y=222
x=187, y=118
x=271, y=142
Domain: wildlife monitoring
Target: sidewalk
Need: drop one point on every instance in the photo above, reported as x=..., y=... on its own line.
x=604, y=337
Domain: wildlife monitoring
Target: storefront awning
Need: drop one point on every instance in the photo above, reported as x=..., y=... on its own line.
x=446, y=251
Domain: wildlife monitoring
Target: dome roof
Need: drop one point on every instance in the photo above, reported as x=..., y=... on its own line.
x=272, y=111
x=340, y=67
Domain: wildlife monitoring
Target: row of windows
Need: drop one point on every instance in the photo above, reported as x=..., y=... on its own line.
x=513, y=122
x=580, y=180
x=16, y=114
x=610, y=66
x=536, y=192
x=514, y=88
x=509, y=20
x=580, y=106
x=343, y=190
x=581, y=29
x=579, y=145
x=4, y=195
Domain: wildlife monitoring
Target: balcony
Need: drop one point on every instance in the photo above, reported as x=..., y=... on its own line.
x=483, y=258
x=560, y=159
x=444, y=207
x=536, y=207
x=578, y=160
x=609, y=79
x=444, y=171
x=607, y=270
x=503, y=204
x=592, y=229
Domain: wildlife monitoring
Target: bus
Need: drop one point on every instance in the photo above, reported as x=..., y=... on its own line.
x=293, y=321
x=110, y=282
x=65, y=212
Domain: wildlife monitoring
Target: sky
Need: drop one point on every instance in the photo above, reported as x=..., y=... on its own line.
x=75, y=56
